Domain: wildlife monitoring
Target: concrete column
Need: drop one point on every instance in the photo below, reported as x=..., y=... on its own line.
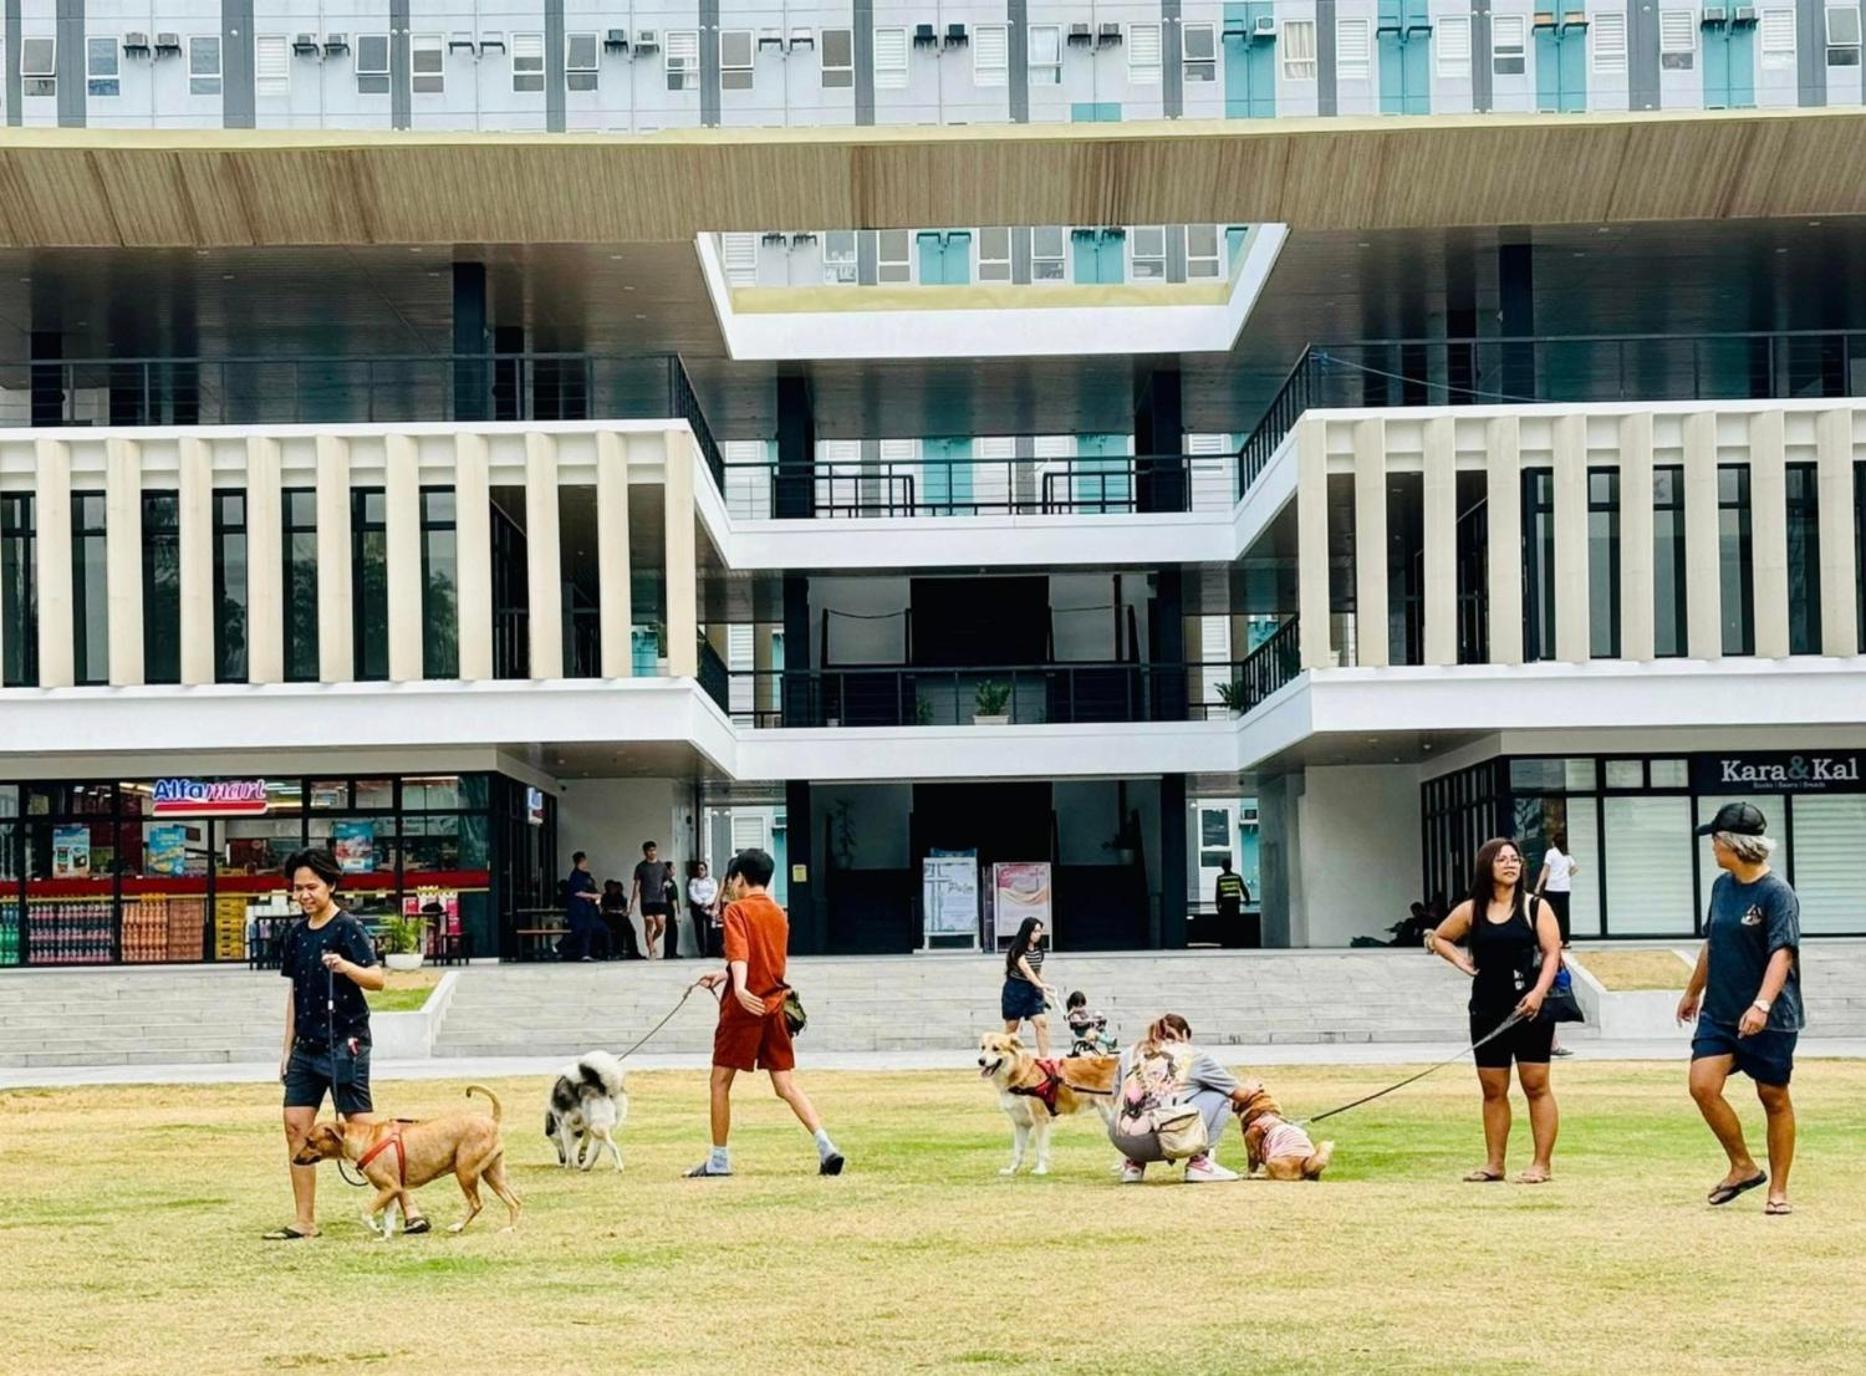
x=1441, y=541
x=196, y=518
x=1636, y=553
x=1840, y=558
x=1312, y=544
x=473, y=540
x=683, y=615
x=1370, y=543
x=613, y=594
x=1160, y=440
x=401, y=499
x=1504, y=502
x=52, y=519
x=1768, y=525
x=809, y=920
x=1572, y=631
x=799, y=658
x=544, y=561
x=123, y=559
x=336, y=615
x=764, y=682
x=795, y=497
x=472, y=368
x=265, y=562
x=1703, y=588
x=1172, y=934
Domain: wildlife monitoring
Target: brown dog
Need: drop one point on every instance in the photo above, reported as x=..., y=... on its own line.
x=1275, y=1145
x=1034, y=1093
x=401, y=1156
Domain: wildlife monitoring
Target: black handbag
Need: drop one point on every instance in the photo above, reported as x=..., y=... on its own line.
x=1560, y=1003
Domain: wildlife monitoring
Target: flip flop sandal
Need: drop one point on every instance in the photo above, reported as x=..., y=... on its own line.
x=417, y=1225
x=1527, y=1179
x=1482, y=1177
x=1778, y=1208
x=1723, y=1194
x=285, y=1234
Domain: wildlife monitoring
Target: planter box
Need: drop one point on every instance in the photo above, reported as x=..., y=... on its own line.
x=403, y=960
x=1629, y=1015
x=410, y=1036
x=1000, y=719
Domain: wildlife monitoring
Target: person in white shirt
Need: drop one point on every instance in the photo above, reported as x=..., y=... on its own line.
x=1556, y=881
x=703, y=903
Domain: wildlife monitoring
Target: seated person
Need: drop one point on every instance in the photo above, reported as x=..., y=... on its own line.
x=1164, y=1070
x=1088, y=1030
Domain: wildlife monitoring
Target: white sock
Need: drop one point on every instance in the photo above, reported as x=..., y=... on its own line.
x=824, y=1147
x=720, y=1160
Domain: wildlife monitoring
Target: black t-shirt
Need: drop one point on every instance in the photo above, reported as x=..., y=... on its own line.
x=302, y=962
x=653, y=876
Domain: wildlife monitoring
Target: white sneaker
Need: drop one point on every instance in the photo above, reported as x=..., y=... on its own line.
x=1132, y=1173
x=1203, y=1170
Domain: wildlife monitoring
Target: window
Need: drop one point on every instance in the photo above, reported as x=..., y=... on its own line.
x=838, y=59
x=1678, y=40
x=738, y=253
x=893, y=249
x=1538, y=564
x=1299, y=50
x=528, y=61
x=1049, y=248
x=1454, y=47
x=100, y=67
x=1843, y=36
x=161, y=587
x=991, y=55
x=38, y=66
x=994, y=255
x=204, y=65
x=427, y=72
x=682, y=60
x=581, y=61
x=1804, y=559
x=735, y=59
x=1202, y=252
x=1143, y=54
x=1609, y=29
x=369, y=583
x=19, y=601
x=440, y=621
x=890, y=59
x=90, y=598
x=1649, y=862
x=1199, y=43
x=1603, y=562
x=1778, y=38
x=1734, y=562
x=299, y=586
x=839, y=258
x=1149, y=248
x=1353, y=60
x=229, y=587
x=1506, y=45
x=372, y=63
x=1046, y=55
x=1669, y=634
x=272, y=72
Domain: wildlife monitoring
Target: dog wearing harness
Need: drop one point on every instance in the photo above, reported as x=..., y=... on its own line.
x=1035, y=1093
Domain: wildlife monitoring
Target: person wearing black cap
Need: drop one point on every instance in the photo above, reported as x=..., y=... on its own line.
x=1745, y=997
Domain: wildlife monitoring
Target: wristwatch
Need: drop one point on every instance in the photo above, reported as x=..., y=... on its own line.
x=1762, y=1005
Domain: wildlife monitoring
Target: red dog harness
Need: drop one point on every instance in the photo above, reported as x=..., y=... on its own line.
x=1046, y=1089
x=394, y=1139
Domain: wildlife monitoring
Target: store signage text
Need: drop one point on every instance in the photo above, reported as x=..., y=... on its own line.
x=222, y=797
x=1782, y=773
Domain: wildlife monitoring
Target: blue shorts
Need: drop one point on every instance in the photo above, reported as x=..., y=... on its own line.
x=1021, y=999
x=1768, y=1057
x=311, y=1072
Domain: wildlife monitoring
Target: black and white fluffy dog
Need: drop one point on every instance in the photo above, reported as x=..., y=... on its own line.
x=588, y=1105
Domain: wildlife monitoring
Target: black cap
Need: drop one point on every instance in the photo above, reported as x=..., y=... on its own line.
x=1741, y=819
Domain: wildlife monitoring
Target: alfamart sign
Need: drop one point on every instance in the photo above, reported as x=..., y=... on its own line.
x=217, y=797
x=1802, y=772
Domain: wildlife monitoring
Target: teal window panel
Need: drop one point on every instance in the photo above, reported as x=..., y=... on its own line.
x=1742, y=48
x=1113, y=256
x=1084, y=112
x=1235, y=48
x=1392, y=71
x=946, y=467
x=932, y=259
x=1101, y=469
x=958, y=258
x=1418, y=14
x=1234, y=245
x=1085, y=249
x=1573, y=76
x=1417, y=61
x=1548, y=71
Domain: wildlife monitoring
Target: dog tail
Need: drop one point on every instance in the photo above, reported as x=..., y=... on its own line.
x=1318, y=1161
x=498, y=1114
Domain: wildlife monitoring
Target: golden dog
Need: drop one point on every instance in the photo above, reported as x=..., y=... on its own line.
x=401, y=1156
x=1034, y=1094
x=1273, y=1144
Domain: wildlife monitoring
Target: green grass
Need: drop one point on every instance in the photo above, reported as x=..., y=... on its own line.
x=1623, y=971
x=129, y=1223
x=407, y=991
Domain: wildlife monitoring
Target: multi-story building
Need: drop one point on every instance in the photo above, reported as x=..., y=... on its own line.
x=1316, y=496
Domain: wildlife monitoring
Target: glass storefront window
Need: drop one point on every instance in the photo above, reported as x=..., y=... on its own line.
x=1584, y=848
x=1603, y=562
x=229, y=587
x=1668, y=561
x=440, y=651
x=1648, y=865
x=433, y=793
x=375, y=794
x=164, y=866
x=1734, y=560
x=161, y=587
x=1804, y=559
x=330, y=795
x=1538, y=564
x=1829, y=879
x=369, y=581
x=300, y=585
x=1671, y=774
x=9, y=878
x=19, y=602
x=90, y=593
x=1626, y=773
x=430, y=843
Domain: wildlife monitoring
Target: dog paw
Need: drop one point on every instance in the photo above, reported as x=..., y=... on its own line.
x=1007, y=1170
x=459, y=1227
x=1043, y=1168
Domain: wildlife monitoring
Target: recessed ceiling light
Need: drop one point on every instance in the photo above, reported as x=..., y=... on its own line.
x=641, y=317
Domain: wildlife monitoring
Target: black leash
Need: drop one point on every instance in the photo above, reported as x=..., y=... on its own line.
x=330, y=1032
x=1492, y=1035
x=643, y=1041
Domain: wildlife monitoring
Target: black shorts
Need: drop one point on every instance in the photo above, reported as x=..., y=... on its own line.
x=654, y=909
x=311, y=1073
x=1527, y=1043
x=1768, y=1057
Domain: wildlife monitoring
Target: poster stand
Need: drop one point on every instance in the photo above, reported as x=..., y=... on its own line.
x=949, y=909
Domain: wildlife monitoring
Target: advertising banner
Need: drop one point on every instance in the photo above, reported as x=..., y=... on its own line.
x=71, y=852
x=949, y=900
x=165, y=851
x=354, y=844
x=1020, y=890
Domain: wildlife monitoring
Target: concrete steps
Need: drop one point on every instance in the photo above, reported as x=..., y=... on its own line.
x=174, y=1015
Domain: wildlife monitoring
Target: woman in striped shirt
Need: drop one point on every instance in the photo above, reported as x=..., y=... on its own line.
x=1026, y=996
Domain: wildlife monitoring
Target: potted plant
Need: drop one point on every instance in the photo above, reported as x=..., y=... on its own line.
x=1232, y=695
x=990, y=703
x=405, y=938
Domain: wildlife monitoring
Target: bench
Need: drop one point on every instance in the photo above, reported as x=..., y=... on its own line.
x=538, y=943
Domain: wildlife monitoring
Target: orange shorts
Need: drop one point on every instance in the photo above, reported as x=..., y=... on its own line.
x=743, y=1042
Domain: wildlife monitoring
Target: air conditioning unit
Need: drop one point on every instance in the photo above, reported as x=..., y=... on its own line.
x=1743, y=16
x=803, y=38
x=1573, y=19
x=956, y=36
x=168, y=43
x=1110, y=35
x=925, y=37
x=772, y=39
x=647, y=41
x=1082, y=35
x=1265, y=27
x=462, y=43
x=803, y=238
x=616, y=41
x=136, y=45
x=336, y=44
x=1714, y=16
x=773, y=238
x=306, y=45
x=1545, y=19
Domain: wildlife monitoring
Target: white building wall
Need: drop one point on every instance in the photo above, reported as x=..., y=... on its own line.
x=1358, y=837
x=610, y=818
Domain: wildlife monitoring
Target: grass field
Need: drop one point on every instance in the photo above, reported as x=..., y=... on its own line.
x=405, y=992
x=1622, y=971
x=130, y=1222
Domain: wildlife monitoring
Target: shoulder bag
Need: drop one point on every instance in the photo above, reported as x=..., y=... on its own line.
x=1559, y=1004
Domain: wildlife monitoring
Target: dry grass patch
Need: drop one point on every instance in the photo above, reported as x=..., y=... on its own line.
x=406, y=991
x=129, y=1241
x=1626, y=971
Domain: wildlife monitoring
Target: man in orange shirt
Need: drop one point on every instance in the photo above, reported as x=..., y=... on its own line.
x=752, y=1033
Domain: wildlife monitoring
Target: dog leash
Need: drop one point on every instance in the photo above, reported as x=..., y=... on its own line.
x=1492, y=1035
x=330, y=1033
x=685, y=995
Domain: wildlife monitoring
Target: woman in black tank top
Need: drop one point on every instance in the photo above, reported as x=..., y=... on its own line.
x=1511, y=949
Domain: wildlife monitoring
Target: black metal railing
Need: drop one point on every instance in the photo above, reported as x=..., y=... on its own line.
x=1556, y=368
x=714, y=676
x=975, y=486
x=1275, y=662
